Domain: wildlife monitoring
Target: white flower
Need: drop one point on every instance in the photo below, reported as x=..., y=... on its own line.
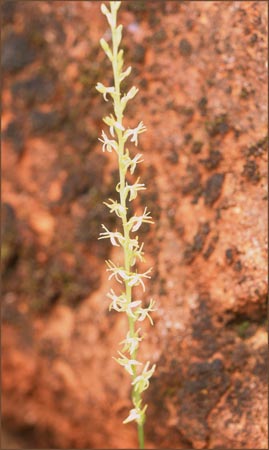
x=128, y=162
x=136, y=160
x=137, y=253
x=116, y=272
x=144, y=312
x=137, y=278
x=135, y=222
x=118, y=302
x=133, y=243
x=117, y=125
x=112, y=236
x=134, y=188
x=127, y=363
x=116, y=207
x=121, y=304
x=131, y=342
x=134, y=132
x=105, y=90
x=136, y=414
x=141, y=382
x=108, y=144
x=112, y=123
x=133, y=415
x=133, y=279
x=130, y=306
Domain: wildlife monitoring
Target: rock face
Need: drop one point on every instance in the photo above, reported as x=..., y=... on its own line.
x=16, y=53
x=201, y=70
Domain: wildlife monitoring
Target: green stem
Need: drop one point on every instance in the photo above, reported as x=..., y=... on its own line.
x=136, y=396
x=140, y=429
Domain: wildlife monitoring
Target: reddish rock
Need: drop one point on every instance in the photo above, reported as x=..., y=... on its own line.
x=201, y=70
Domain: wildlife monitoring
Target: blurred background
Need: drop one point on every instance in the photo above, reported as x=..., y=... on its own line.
x=201, y=70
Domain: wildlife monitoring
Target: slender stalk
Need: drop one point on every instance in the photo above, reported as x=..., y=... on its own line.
x=131, y=247
x=122, y=172
x=141, y=436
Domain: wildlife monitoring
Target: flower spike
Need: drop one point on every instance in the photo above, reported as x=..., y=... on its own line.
x=126, y=273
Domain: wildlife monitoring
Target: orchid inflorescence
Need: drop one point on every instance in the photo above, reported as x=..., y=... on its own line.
x=114, y=140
